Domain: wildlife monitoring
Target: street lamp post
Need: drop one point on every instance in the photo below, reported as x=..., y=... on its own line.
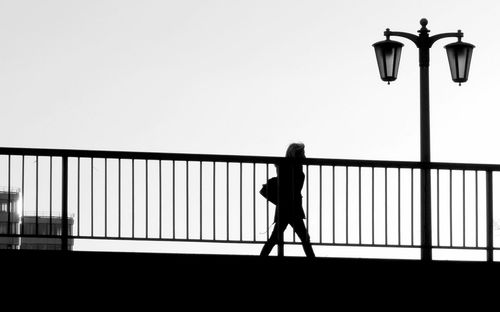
x=388, y=53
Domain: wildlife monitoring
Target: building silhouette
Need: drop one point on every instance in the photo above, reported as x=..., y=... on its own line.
x=38, y=231
x=9, y=218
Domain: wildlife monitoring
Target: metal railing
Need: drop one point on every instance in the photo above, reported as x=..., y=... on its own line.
x=139, y=196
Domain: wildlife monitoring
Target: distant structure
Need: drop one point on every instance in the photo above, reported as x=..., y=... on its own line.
x=9, y=218
x=37, y=228
x=43, y=226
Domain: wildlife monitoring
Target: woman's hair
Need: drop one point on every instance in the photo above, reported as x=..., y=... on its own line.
x=295, y=150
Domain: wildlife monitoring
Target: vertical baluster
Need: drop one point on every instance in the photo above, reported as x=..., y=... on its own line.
x=133, y=198
x=147, y=198
x=320, y=204
x=411, y=206
x=213, y=204
x=227, y=200
x=399, y=206
x=254, y=204
x=385, y=190
x=173, y=199
x=293, y=196
x=333, y=204
x=373, y=205
x=477, y=205
x=489, y=216
x=241, y=202
x=281, y=247
x=50, y=195
x=463, y=206
x=9, y=206
x=347, y=205
x=92, y=197
x=267, y=202
x=105, y=197
x=23, y=194
x=64, y=204
x=451, y=208
x=119, y=197
x=359, y=206
x=160, y=209
x=187, y=199
x=78, y=194
x=201, y=200
x=438, y=210
x=36, y=192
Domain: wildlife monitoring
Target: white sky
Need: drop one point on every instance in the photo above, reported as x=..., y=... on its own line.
x=243, y=77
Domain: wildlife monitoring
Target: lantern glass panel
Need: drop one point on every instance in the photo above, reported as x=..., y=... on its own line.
x=379, y=53
x=462, y=60
x=452, y=60
x=390, y=55
x=397, y=57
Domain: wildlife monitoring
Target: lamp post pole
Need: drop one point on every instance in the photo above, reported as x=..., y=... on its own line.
x=423, y=43
x=425, y=157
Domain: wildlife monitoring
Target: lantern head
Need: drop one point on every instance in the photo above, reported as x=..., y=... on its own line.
x=388, y=53
x=459, y=57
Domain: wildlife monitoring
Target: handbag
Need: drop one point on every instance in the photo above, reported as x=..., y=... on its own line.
x=269, y=190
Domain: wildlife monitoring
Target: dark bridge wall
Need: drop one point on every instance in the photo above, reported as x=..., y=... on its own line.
x=356, y=281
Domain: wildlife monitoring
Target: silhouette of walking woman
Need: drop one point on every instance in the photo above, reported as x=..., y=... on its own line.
x=290, y=211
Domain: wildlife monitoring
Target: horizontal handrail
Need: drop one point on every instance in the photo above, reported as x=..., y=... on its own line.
x=233, y=241
x=131, y=195
x=243, y=159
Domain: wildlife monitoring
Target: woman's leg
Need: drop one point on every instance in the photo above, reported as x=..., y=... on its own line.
x=300, y=229
x=273, y=239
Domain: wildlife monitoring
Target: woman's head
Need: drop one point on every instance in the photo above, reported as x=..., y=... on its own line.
x=296, y=150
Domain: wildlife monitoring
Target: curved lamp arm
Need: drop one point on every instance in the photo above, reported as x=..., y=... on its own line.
x=406, y=35
x=459, y=34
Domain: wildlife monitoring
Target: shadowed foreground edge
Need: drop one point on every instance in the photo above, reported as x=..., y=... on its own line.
x=231, y=272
